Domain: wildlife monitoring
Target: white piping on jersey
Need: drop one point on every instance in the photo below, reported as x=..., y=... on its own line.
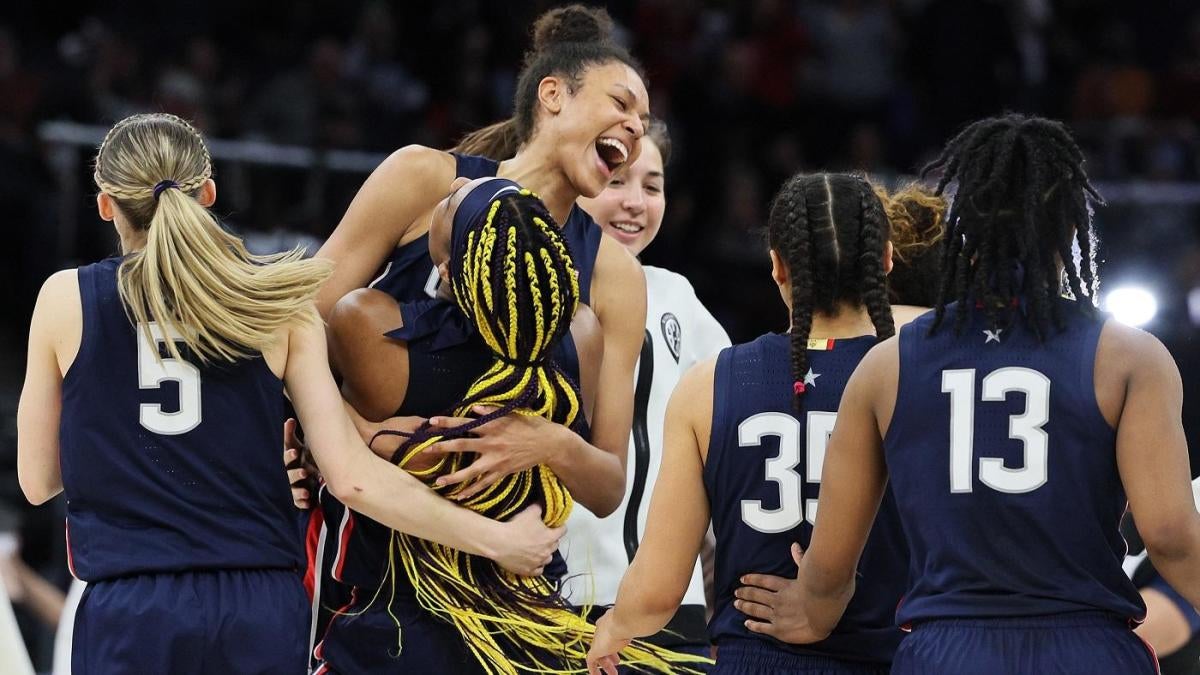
x=341, y=550
x=386, y=268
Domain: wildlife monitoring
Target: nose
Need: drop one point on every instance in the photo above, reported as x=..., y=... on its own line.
x=633, y=202
x=636, y=127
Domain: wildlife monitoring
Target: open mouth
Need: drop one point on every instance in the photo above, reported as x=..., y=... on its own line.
x=627, y=227
x=612, y=152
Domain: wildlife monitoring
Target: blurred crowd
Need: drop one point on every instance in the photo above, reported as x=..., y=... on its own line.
x=752, y=91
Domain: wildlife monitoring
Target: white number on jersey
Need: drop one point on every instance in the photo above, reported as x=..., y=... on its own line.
x=781, y=469
x=152, y=372
x=1026, y=427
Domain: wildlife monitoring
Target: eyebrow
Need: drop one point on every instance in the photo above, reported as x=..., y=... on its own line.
x=654, y=174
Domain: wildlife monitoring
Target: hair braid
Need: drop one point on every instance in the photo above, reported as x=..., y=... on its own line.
x=1022, y=200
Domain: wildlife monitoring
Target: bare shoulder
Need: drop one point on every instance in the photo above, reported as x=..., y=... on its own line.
x=618, y=280
x=1125, y=352
x=906, y=314
x=875, y=383
x=692, y=401
x=60, y=286
x=425, y=166
x=364, y=311
x=58, y=316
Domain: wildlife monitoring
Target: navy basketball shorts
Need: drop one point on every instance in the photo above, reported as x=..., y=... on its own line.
x=193, y=623
x=758, y=657
x=369, y=641
x=1087, y=643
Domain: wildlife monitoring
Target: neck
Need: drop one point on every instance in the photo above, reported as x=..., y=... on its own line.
x=851, y=321
x=530, y=168
x=133, y=243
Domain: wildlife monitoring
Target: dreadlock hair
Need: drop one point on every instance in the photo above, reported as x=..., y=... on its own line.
x=830, y=230
x=917, y=219
x=1022, y=199
x=514, y=278
x=192, y=278
x=566, y=42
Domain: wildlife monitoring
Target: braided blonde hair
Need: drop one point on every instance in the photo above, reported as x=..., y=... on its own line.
x=192, y=276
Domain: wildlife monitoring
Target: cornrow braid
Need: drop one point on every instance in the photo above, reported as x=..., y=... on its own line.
x=518, y=286
x=831, y=231
x=1022, y=200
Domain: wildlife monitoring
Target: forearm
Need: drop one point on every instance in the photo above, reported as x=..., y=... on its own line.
x=396, y=499
x=643, y=606
x=1177, y=559
x=594, y=476
x=42, y=598
x=827, y=592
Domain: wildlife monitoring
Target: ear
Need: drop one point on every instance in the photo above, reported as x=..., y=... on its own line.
x=779, y=270
x=107, y=206
x=207, y=196
x=551, y=93
x=888, y=249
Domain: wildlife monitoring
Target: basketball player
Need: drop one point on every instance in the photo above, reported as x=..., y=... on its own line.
x=153, y=397
x=679, y=332
x=1010, y=439
x=765, y=408
x=514, y=282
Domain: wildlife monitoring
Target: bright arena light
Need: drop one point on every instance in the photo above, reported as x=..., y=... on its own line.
x=1131, y=305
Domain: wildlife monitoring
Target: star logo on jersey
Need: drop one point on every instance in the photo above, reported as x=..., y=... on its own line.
x=672, y=334
x=810, y=378
x=992, y=335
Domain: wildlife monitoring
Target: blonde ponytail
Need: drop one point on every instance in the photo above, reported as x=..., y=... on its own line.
x=192, y=276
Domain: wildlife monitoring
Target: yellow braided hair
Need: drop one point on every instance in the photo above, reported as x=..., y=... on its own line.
x=518, y=286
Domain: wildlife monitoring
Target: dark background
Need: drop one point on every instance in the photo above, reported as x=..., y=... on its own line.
x=753, y=91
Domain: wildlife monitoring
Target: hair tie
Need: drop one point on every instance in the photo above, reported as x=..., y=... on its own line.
x=163, y=185
x=798, y=387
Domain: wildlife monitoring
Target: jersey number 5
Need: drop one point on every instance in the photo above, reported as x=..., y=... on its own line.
x=153, y=371
x=1026, y=427
x=781, y=469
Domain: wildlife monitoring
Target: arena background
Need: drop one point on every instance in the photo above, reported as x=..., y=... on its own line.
x=302, y=99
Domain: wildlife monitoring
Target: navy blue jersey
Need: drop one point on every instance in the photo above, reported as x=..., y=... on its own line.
x=168, y=466
x=409, y=274
x=445, y=356
x=1005, y=472
x=763, y=476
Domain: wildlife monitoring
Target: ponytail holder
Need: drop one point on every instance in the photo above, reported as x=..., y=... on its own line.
x=163, y=185
x=798, y=387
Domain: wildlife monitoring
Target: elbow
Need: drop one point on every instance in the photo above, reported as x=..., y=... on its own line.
x=38, y=492
x=1177, y=538
x=607, y=503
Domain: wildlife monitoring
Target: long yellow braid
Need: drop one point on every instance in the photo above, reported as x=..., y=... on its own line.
x=518, y=285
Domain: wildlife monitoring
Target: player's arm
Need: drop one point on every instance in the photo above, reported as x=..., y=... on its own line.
x=594, y=472
x=404, y=186
x=55, y=329
x=657, y=579
x=372, y=486
x=1152, y=457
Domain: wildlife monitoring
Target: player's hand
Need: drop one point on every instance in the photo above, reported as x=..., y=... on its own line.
x=604, y=655
x=776, y=605
x=302, y=474
x=504, y=446
x=386, y=445
x=525, y=545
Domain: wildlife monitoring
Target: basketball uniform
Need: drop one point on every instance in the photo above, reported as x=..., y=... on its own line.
x=179, y=514
x=407, y=275
x=1005, y=473
x=679, y=333
x=763, y=477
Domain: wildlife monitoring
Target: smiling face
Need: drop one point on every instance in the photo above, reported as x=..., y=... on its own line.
x=596, y=129
x=631, y=208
